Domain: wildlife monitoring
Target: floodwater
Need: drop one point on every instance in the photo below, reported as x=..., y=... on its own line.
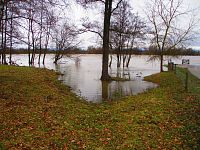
x=82, y=73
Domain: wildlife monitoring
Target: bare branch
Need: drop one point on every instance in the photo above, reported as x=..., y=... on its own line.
x=116, y=6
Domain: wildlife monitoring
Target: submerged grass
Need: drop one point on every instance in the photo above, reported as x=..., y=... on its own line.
x=119, y=79
x=38, y=112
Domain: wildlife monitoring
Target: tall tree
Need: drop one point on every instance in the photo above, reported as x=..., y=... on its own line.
x=41, y=29
x=167, y=32
x=108, y=10
x=4, y=23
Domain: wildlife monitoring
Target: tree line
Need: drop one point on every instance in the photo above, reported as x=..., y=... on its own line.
x=98, y=50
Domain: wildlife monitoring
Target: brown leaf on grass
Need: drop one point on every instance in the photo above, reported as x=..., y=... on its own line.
x=190, y=98
x=65, y=147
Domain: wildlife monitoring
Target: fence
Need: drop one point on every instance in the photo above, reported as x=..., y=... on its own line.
x=190, y=82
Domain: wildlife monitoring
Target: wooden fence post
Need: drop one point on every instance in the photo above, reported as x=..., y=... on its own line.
x=186, y=81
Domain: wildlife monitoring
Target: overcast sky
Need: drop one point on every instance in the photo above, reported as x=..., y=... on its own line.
x=76, y=13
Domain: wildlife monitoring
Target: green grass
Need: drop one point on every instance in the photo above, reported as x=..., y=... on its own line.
x=38, y=112
x=193, y=82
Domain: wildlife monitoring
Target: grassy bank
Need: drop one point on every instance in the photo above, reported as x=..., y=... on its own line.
x=38, y=112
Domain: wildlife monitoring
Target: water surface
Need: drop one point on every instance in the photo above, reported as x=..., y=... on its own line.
x=82, y=73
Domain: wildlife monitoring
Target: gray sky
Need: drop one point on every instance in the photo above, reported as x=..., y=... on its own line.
x=88, y=39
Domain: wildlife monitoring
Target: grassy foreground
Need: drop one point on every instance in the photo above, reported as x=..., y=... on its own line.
x=38, y=112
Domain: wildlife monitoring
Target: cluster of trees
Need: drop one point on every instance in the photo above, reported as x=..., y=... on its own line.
x=190, y=52
x=172, y=52
x=127, y=31
x=26, y=22
x=37, y=24
x=34, y=24
x=120, y=30
x=98, y=50
x=124, y=30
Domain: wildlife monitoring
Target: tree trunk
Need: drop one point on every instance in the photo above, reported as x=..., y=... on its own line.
x=41, y=27
x=45, y=49
x=107, y=15
x=11, y=34
x=33, y=42
x=118, y=60
x=46, y=44
x=161, y=63
x=110, y=64
x=128, y=60
x=124, y=60
x=104, y=87
x=1, y=30
x=2, y=35
x=29, y=48
x=5, y=35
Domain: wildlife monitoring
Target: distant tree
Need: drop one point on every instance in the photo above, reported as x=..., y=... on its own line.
x=166, y=31
x=64, y=37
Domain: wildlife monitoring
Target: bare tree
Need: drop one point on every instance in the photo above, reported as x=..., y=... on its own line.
x=51, y=21
x=64, y=38
x=25, y=21
x=4, y=23
x=167, y=33
x=108, y=10
x=41, y=28
x=136, y=35
x=126, y=27
x=2, y=5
